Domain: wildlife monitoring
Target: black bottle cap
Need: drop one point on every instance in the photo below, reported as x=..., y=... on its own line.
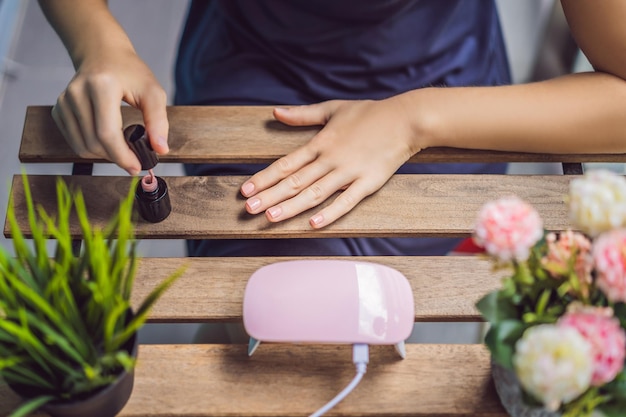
x=137, y=139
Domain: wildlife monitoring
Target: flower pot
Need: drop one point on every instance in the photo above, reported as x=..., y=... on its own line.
x=105, y=402
x=510, y=392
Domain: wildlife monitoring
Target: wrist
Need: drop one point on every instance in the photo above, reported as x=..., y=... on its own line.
x=100, y=48
x=424, y=116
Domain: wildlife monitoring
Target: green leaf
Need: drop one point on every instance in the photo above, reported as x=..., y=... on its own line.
x=31, y=406
x=617, y=387
x=496, y=308
x=501, y=339
x=619, y=310
x=522, y=275
x=543, y=301
x=613, y=409
x=24, y=375
x=142, y=313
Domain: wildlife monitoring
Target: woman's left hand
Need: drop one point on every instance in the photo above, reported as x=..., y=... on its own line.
x=359, y=148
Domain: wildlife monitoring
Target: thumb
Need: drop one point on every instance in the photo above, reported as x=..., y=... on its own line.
x=312, y=114
x=155, y=119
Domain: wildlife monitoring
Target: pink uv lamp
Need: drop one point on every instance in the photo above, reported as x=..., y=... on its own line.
x=328, y=301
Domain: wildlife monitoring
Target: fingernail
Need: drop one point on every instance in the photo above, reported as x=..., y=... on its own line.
x=281, y=109
x=247, y=188
x=134, y=171
x=253, y=203
x=316, y=220
x=163, y=143
x=274, y=212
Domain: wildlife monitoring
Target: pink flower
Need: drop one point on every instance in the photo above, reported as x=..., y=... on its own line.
x=609, y=257
x=605, y=335
x=561, y=249
x=508, y=228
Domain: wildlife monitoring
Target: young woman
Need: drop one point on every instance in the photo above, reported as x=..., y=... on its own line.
x=390, y=78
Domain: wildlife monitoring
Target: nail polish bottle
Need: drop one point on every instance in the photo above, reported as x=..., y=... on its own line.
x=151, y=195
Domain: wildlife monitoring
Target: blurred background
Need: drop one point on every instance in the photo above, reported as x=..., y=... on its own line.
x=35, y=68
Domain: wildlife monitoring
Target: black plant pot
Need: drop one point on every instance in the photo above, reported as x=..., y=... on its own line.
x=510, y=392
x=106, y=402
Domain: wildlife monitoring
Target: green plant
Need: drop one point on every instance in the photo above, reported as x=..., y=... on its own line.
x=64, y=319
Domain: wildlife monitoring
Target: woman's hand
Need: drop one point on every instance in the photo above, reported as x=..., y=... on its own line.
x=359, y=148
x=88, y=111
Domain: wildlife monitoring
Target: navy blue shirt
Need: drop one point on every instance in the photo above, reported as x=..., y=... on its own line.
x=284, y=52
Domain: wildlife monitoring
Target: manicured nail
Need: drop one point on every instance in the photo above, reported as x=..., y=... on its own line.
x=247, y=188
x=253, y=203
x=274, y=212
x=134, y=171
x=162, y=142
x=316, y=220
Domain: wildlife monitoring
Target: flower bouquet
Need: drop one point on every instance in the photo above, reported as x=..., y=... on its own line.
x=557, y=324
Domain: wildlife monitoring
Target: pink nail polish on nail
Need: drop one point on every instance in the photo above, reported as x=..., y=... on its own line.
x=247, y=188
x=163, y=142
x=253, y=203
x=274, y=212
x=317, y=220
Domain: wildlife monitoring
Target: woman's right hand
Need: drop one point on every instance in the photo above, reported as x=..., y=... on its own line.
x=88, y=111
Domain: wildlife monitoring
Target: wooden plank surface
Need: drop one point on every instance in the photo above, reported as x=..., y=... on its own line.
x=288, y=380
x=211, y=290
x=407, y=206
x=241, y=134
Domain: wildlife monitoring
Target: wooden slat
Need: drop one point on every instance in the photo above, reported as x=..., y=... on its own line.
x=212, y=289
x=200, y=134
x=408, y=206
x=284, y=380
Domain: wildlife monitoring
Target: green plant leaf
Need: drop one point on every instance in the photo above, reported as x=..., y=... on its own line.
x=613, y=409
x=24, y=375
x=111, y=323
x=617, y=387
x=60, y=340
x=142, y=313
x=496, y=308
x=501, y=339
x=619, y=310
x=31, y=406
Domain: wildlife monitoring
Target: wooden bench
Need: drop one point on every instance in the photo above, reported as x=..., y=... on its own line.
x=287, y=380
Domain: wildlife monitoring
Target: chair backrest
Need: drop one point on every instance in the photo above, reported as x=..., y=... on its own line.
x=205, y=380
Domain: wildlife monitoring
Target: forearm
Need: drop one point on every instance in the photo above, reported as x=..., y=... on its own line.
x=85, y=27
x=579, y=113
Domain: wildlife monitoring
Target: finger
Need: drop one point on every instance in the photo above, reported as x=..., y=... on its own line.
x=108, y=125
x=287, y=188
x=309, y=197
x=80, y=104
x=278, y=170
x=153, y=105
x=65, y=119
x=344, y=202
x=313, y=114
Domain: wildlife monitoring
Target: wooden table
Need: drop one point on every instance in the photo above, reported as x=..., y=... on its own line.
x=287, y=380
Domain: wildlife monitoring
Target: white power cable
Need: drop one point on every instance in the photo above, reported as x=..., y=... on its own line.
x=360, y=357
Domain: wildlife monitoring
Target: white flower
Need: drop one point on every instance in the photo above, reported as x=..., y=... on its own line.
x=598, y=202
x=553, y=363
